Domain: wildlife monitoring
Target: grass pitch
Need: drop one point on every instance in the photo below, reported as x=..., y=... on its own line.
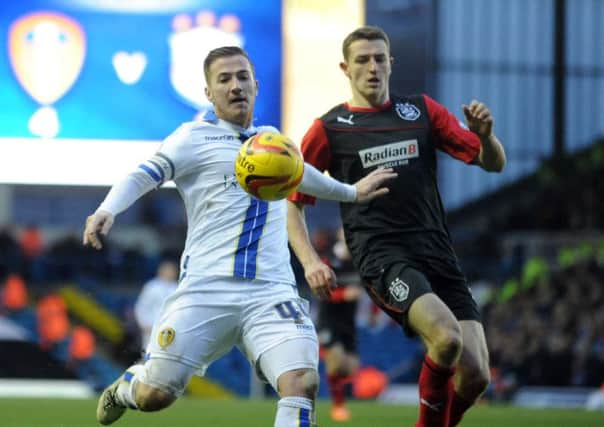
x=248, y=413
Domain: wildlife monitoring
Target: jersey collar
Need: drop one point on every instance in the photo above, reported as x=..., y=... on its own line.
x=236, y=128
x=382, y=107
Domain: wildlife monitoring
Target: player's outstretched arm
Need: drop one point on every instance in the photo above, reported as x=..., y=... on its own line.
x=370, y=186
x=121, y=196
x=316, y=184
x=320, y=277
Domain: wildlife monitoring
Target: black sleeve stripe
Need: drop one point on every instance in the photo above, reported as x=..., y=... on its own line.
x=167, y=159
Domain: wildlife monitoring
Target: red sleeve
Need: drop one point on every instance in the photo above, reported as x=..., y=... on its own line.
x=337, y=295
x=449, y=134
x=315, y=150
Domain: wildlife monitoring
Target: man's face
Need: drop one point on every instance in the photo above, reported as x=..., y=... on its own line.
x=232, y=89
x=368, y=67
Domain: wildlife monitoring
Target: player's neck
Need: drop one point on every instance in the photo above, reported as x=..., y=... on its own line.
x=358, y=101
x=364, y=103
x=235, y=126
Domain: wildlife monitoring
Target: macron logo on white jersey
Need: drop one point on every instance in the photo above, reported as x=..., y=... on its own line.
x=390, y=155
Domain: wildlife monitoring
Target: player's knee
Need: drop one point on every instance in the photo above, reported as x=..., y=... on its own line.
x=309, y=383
x=300, y=382
x=149, y=399
x=447, y=343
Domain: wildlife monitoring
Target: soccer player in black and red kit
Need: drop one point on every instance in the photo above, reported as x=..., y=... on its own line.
x=400, y=243
x=336, y=326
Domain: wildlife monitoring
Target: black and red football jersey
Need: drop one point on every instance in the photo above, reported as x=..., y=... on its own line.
x=409, y=223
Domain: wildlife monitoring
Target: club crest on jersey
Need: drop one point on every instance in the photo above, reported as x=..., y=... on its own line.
x=166, y=337
x=399, y=290
x=407, y=111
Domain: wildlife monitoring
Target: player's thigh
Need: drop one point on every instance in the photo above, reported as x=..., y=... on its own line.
x=432, y=320
x=406, y=295
x=195, y=329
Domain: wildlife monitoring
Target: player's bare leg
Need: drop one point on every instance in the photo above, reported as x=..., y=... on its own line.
x=441, y=333
x=472, y=373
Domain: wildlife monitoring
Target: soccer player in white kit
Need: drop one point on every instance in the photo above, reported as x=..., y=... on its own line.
x=236, y=285
x=152, y=296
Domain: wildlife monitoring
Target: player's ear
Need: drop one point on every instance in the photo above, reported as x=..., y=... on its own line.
x=257, y=86
x=344, y=68
x=208, y=94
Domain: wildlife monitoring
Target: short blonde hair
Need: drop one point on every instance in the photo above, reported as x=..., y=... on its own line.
x=224, y=52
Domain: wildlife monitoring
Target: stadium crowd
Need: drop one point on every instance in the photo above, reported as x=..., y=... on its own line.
x=549, y=331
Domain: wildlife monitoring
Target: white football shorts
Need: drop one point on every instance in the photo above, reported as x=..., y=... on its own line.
x=204, y=318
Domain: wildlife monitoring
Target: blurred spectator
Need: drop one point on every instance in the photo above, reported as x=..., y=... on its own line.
x=80, y=352
x=11, y=258
x=336, y=323
x=82, y=344
x=14, y=293
x=53, y=322
x=596, y=400
x=31, y=241
x=152, y=296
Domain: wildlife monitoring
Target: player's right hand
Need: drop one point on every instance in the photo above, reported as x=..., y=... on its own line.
x=98, y=222
x=370, y=186
x=321, y=279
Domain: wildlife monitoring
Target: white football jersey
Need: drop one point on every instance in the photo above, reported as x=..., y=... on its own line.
x=230, y=233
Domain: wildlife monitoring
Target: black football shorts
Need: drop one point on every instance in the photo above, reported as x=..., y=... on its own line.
x=396, y=289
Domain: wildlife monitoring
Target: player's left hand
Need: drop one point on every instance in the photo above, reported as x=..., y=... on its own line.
x=321, y=279
x=98, y=222
x=479, y=118
x=368, y=187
